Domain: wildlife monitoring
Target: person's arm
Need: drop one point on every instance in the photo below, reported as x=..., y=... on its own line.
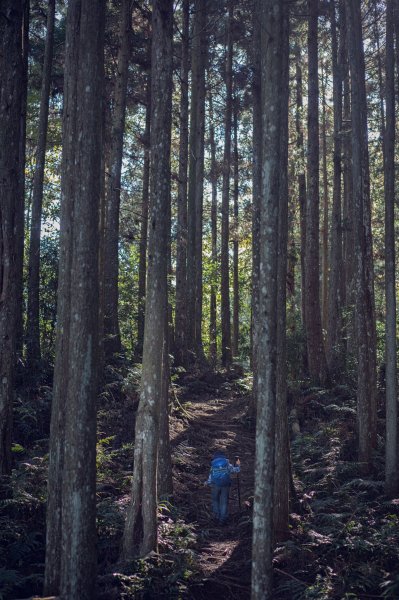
x=208, y=481
x=236, y=468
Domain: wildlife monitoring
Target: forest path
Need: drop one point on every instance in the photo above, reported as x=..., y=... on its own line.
x=213, y=420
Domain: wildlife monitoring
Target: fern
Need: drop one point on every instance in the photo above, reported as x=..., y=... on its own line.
x=366, y=485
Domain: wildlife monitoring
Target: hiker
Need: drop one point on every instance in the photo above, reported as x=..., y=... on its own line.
x=220, y=482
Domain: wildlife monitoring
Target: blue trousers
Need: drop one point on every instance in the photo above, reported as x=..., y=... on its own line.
x=220, y=501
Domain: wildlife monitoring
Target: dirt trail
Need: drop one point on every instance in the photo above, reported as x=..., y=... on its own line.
x=213, y=421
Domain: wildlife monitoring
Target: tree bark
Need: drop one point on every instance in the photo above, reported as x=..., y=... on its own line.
x=282, y=450
x=256, y=187
x=11, y=69
x=314, y=336
x=236, y=289
x=181, y=251
x=213, y=177
x=195, y=184
x=364, y=277
x=20, y=225
x=140, y=535
x=334, y=345
x=71, y=524
x=348, y=214
x=225, y=233
x=164, y=470
x=301, y=185
x=391, y=454
x=144, y=226
x=325, y=226
x=112, y=338
x=33, y=354
x=272, y=12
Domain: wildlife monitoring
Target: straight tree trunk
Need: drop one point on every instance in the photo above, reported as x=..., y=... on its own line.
x=164, y=468
x=71, y=510
x=112, y=338
x=334, y=349
x=20, y=225
x=140, y=535
x=213, y=177
x=256, y=186
x=144, y=226
x=236, y=290
x=348, y=214
x=11, y=69
x=314, y=336
x=301, y=185
x=181, y=252
x=199, y=201
x=376, y=33
x=33, y=354
x=324, y=231
x=391, y=454
x=225, y=233
x=364, y=277
x=164, y=465
x=282, y=451
x=195, y=184
x=271, y=17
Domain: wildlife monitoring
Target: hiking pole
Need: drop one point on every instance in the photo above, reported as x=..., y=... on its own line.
x=237, y=459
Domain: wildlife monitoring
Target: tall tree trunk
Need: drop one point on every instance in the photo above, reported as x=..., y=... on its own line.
x=314, y=336
x=324, y=230
x=112, y=338
x=140, y=535
x=11, y=69
x=20, y=225
x=71, y=520
x=225, y=234
x=164, y=467
x=364, y=291
x=195, y=183
x=213, y=177
x=272, y=51
x=199, y=201
x=236, y=290
x=376, y=33
x=282, y=451
x=33, y=321
x=301, y=186
x=391, y=454
x=256, y=187
x=334, y=349
x=144, y=226
x=181, y=252
x=348, y=214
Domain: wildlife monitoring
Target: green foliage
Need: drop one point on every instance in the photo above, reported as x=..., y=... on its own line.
x=345, y=537
x=165, y=575
x=22, y=517
x=131, y=382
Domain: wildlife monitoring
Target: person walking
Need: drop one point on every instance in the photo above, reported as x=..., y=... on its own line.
x=220, y=481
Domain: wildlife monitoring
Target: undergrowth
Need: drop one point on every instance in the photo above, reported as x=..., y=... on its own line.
x=345, y=533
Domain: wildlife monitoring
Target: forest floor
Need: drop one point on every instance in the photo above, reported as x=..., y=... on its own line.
x=344, y=541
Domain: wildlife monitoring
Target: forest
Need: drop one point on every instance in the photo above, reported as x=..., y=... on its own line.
x=198, y=281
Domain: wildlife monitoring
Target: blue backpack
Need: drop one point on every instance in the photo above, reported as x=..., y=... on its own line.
x=220, y=474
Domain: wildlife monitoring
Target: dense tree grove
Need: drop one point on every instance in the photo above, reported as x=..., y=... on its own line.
x=198, y=221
